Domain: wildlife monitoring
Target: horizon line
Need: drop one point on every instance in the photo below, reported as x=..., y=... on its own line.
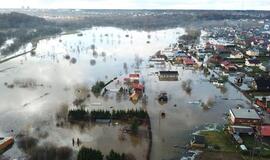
x=195, y=9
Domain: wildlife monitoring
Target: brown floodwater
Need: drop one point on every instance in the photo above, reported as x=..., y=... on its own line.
x=64, y=68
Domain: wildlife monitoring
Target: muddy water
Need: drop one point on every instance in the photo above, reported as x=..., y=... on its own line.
x=52, y=79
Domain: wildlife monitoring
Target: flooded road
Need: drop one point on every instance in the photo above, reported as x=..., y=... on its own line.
x=33, y=88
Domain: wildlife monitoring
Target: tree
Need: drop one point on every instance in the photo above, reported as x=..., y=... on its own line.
x=89, y=154
x=96, y=89
x=134, y=126
x=115, y=156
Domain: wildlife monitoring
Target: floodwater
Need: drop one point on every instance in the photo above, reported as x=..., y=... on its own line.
x=33, y=87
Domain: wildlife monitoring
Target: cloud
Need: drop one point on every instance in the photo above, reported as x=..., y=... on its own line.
x=141, y=4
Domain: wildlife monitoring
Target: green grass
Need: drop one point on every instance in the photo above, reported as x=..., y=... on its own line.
x=250, y=143
x=255, y=93
x=237, y=61
x=219, y=138
x=225, y=142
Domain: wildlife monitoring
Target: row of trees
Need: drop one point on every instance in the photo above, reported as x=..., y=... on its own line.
x=82, y=115
x=97, y=87
x=92, y=154
x=191, y=36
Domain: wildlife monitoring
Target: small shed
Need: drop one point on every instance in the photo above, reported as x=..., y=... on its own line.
x=168, y=75
x=198, y=141
x=235, y=129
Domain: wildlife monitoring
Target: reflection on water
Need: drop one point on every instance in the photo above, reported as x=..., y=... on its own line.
x=64, y=68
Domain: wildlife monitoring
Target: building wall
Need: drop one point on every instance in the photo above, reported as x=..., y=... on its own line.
x=246, y=121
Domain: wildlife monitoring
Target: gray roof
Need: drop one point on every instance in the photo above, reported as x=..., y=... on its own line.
x=242, y=129
x=245, y=113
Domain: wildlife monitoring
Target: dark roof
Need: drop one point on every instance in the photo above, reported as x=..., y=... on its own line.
x=263, y=83
x=242, y=129
x=254, y=61
x=168, y=72
x=199, y=139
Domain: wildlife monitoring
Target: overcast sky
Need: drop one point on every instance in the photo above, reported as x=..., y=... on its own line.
x=140, y=4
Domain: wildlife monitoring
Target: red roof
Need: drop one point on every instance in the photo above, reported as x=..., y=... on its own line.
x=226, y=63
x=265, y=130
x=134, y=75
x=189, y=61
x=137, y=86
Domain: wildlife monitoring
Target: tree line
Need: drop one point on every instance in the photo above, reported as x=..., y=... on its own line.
x=92, y=154
x=83, y=115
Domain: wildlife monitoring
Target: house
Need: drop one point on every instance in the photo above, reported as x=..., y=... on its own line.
x=222, y=49
x=236, y=55
x=261, y=84
x=228, y=66
x=138, y=87
x=200, y=54
x=264, y=104
x=188, y=61
x=265, y=67
x=248, y=117
x=180, y=53
x=179, y=56
x=216, y=59
x=168, y=75
x=198, y=141
x=253, y=62
x=264, y=130
x=5, y=143
x=134, y=77
x=235, y=129
x=253, y=52
x=169, y=54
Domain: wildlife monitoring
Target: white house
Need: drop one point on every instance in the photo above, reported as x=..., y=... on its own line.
x=253, y=52
x=236, y=54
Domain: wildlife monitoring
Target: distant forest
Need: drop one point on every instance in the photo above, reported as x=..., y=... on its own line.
x=25, y=27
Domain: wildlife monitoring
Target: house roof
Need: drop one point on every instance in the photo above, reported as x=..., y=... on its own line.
x=199, y=139
x=263, y=82
x=134, y=75
x=169, y=72
x=254, y=61
x=265, y=130
x=225, y=63
x=180, y=54
x=245, y=113
x=242, y=129
x=189, y=61
x=137, y=86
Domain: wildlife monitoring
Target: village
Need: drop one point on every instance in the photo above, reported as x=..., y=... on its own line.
x=242, y=59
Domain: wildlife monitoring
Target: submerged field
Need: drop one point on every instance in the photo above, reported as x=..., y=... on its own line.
x=34, y=87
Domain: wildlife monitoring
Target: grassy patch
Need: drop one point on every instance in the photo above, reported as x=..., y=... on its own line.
x=237, y=61
x=260, y=149
x=255, y=93
x=219, y=138
x=220, y=156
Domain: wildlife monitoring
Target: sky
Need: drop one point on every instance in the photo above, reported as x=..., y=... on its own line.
x=141, y=4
